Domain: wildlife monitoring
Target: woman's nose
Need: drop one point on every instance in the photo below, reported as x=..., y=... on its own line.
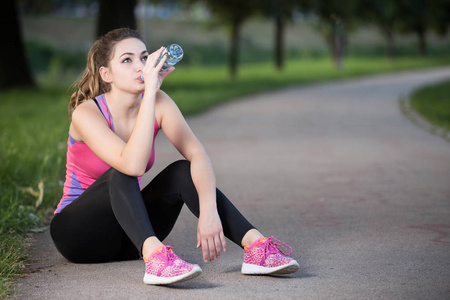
x=140, y=65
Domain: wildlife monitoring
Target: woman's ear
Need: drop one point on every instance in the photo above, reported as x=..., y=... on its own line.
x=104, y=74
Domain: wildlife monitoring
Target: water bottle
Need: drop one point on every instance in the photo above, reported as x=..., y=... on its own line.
x=174, y=54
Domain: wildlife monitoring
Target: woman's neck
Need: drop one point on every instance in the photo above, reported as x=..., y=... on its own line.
x=123, y=105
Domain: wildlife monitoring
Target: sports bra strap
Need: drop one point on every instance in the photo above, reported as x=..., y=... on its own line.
x=98, y=105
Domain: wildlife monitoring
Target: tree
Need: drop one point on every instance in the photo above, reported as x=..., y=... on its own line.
x=336, y=18
x=114, y=14
x=416, y=17
x=441, y=16
x=385, y=17
x=232, y=13
x=14, y=69
x=282, y=11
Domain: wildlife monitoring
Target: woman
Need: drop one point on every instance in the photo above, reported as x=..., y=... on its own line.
x=104, y=213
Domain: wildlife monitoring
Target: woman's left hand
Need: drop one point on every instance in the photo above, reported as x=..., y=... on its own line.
x=210, y=235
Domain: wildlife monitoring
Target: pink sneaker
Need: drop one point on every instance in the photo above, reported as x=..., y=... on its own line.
x=165, y=267
x=265, y=257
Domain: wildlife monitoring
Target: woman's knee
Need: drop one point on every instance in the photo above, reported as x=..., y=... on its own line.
x=117, y=178
x=180, y=172
x=181, y=166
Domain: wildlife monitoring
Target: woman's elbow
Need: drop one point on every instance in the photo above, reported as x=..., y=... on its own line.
x=135, y=171
x=138, y=173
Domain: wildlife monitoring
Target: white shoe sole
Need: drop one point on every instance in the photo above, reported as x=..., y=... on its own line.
x=249, y=269
x=156, y=280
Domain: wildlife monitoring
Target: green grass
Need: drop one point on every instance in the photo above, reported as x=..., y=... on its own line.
x=34, y=125
x=433, y=103
x=13, y=254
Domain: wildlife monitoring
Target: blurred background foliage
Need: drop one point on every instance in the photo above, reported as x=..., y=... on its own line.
x=232, y=32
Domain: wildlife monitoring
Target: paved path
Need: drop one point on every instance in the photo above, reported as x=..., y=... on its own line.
x=336, y=170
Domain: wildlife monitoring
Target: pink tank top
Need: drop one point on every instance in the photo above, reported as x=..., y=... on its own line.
x=84, y=167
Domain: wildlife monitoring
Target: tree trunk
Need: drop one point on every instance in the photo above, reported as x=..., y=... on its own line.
x=234, y=46
x=339, y=44
x=279, y=42
x=390, y=44
x=14, y=69
x=335, y=38
x=115, y=14
x=422, y=41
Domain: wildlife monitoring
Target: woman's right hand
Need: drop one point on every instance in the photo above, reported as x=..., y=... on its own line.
x=152, y=78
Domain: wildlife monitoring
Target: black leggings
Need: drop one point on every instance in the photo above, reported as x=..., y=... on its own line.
x=112, y=218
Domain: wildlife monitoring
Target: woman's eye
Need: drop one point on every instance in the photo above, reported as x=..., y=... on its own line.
x=126, y=60
x=144, y=58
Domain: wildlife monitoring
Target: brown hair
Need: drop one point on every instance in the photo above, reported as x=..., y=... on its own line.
x=91, y=84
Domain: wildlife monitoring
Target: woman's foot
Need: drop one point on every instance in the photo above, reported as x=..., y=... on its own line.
x=264, y=256
x=165, y=267
x=250, y=237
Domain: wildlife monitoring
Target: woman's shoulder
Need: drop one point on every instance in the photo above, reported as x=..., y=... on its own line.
x=86, y=110
x=161, y=95
x=163, y=99
x=84, y=106
x=164, y=105
x=85, y=117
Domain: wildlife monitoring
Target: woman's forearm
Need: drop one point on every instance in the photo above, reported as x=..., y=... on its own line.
x=205, y=181
x=138, y=148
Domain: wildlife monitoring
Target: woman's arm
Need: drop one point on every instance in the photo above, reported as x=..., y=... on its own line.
x=209, y=231
x=127, y=156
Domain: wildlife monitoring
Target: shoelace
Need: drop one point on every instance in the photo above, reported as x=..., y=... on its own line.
x=170, y=256
x=274, y=246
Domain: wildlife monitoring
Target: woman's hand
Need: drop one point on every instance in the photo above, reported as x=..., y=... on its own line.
x=152, y=78
x=210, y=235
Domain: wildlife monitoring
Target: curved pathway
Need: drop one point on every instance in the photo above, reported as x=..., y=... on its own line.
x=335, y=169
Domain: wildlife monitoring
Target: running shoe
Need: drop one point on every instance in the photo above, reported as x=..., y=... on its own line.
x=265, y=256
x=165, y=267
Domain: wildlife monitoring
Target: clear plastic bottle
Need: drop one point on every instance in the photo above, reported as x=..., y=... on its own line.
x=174, y=54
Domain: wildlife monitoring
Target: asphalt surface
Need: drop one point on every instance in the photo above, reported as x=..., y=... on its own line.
x=336, y=170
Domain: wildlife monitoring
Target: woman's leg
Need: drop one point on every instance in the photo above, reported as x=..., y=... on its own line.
x=175, y=186
x=99, y=225
x=132, y=212
x=87, y=231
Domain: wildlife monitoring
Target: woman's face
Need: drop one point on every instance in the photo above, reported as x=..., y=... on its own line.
x=125, y=68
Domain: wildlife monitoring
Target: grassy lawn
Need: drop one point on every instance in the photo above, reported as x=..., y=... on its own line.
x=34, y=125
x=433, y=103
